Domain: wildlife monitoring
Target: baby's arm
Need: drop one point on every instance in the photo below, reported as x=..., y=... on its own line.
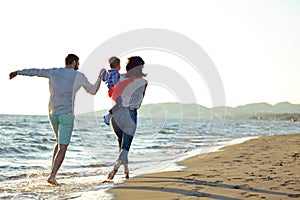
x=104, y=76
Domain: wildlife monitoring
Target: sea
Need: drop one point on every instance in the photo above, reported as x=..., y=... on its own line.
x=26, y=146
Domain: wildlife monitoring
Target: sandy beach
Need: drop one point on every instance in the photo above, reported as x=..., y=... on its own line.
x=263, y=168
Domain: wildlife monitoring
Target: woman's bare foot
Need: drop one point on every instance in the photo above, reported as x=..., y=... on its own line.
x=126, y=171
x=52, y=181
x=126, y=175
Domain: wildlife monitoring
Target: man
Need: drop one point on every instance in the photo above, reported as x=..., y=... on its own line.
x=64, y=84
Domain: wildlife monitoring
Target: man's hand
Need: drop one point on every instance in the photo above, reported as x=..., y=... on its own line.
x=13, y=75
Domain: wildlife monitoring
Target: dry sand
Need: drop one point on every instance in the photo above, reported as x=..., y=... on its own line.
x=262, y=168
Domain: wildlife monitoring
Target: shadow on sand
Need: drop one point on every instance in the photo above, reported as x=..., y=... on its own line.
x=192, y=193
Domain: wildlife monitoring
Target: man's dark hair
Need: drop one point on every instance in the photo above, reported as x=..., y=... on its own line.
x=114, y=61
x=70, y=58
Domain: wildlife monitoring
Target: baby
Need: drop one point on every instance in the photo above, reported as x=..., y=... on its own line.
x=111, y=77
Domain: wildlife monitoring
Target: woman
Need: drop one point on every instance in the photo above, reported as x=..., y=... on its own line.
x=128, y=95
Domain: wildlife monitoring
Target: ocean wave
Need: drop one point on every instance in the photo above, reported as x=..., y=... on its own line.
x=43, y=122
x=166, y=132
x=24, y=149
x=162, y=147
x=11, y=150
x=4, y=124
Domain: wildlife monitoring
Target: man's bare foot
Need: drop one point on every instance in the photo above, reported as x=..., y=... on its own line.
x=107, y=181
x=52, y=181
x=112, y=174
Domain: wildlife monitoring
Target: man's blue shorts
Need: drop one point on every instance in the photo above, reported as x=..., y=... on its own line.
x=62, y=126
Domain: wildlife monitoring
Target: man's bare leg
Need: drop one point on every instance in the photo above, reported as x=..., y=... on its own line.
x=59, y=158
x=54, y=154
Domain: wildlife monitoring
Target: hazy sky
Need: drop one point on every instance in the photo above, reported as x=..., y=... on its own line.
x=255, y=45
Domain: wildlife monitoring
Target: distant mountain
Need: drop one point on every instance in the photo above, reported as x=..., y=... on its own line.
x=174, y=110
x=254, y=108
x=280, y=111
x=283, y=107
x=286, y=107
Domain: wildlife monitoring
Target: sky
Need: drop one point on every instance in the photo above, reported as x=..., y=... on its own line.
x=254, y=45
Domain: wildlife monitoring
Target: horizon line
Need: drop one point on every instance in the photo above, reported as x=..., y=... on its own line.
x=226, y=106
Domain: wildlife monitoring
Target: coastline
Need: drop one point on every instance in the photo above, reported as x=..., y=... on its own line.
x=266, y=167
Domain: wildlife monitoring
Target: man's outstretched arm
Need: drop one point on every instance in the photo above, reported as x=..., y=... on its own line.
x=31, y=72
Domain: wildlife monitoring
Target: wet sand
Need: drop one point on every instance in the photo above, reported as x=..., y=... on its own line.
x=262, y=168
